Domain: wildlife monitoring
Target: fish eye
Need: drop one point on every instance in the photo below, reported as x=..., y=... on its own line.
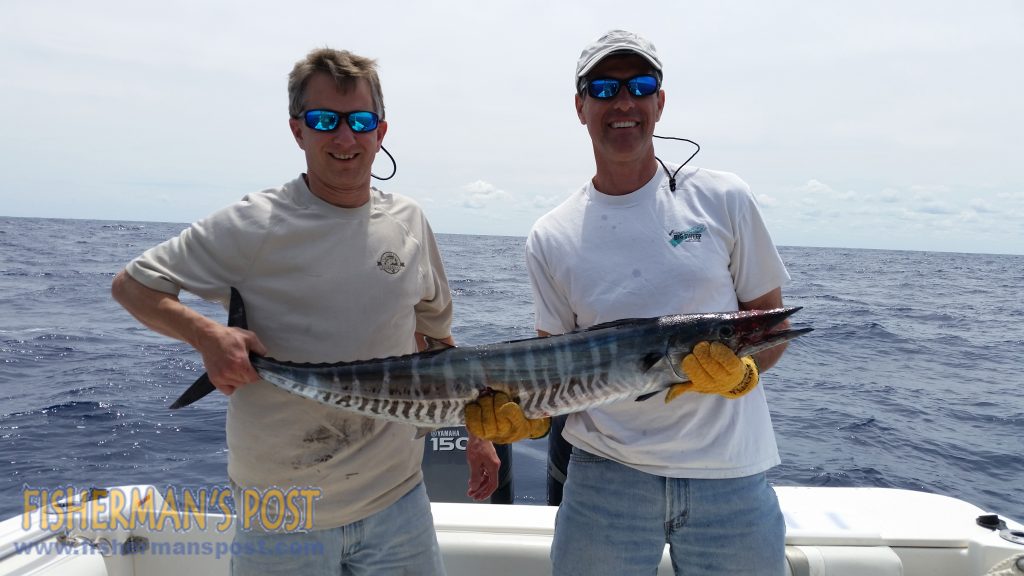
x=726, y=332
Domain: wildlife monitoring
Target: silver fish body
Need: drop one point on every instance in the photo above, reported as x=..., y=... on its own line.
x=548, y=376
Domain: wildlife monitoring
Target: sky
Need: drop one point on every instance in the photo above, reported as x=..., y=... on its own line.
x=883, y=124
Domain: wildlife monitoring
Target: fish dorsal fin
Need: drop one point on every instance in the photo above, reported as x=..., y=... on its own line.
x=433, y=344
x=615, y=323
x=236, y=311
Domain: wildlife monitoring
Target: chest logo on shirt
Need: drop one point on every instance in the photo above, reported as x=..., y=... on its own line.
x=390, y=262
x=693, y=234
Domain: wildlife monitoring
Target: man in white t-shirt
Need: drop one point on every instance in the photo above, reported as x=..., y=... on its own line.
x=331, y=270
x=645, y=239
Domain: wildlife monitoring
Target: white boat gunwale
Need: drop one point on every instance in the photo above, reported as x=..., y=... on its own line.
x=830, y=530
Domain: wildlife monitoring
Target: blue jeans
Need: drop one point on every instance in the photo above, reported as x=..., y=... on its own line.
x=616, y=520
x=399, y=540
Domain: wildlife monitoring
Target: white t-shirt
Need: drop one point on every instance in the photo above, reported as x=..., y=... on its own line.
x=320, y=284
x=703, y=248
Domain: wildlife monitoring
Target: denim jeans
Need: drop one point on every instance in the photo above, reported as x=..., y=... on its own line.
x=616, y=520
x=399, y=540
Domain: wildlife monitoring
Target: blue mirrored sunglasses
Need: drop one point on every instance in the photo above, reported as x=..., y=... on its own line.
x=328, y=120
x=638, y=86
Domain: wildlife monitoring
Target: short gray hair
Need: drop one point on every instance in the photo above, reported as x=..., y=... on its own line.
x=344, y=67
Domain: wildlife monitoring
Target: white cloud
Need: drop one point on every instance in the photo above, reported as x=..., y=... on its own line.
x=818, y=188
x=933, y=206
x=968, y=217
x=546, y=203
x=983, y=206
x=927, y=193
x=1016, y=196
x=481, y=195
x=815, y=187
x=890, y=195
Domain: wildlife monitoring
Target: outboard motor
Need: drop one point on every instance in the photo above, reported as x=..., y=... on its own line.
x=446, y=473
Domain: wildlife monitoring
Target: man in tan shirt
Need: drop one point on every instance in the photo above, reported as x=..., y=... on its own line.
x=309, y=259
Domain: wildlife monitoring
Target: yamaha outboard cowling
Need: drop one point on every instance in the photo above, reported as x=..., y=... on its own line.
x=446, y=473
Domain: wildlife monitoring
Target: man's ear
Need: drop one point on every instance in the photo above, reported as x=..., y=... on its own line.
x=661, y=104
x=295, y=125
x=579, y=109
x=382, y=129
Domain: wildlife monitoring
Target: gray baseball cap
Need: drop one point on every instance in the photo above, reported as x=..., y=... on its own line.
x=614, y=42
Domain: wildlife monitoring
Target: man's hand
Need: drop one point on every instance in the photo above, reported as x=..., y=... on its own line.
x=714, y=369
x=483, y=465
x=498, y=419
x=225, y=353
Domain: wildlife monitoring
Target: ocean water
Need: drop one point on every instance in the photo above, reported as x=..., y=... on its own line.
x=912, y=378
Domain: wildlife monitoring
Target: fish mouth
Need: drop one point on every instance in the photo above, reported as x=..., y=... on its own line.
x=756, y=329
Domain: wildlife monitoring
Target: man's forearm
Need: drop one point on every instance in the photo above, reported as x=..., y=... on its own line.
x=765, y=359
x=163, y=313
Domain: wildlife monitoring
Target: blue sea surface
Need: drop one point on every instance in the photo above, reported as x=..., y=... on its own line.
x=911, y=379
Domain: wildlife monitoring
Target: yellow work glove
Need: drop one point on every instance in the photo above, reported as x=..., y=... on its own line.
x=714, y=369
x=496, y=418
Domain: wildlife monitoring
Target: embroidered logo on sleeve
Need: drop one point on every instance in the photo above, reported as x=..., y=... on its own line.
x=693, y=234
x=390, y=263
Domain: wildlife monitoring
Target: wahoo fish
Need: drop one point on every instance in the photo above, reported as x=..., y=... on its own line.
x=633, y=358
